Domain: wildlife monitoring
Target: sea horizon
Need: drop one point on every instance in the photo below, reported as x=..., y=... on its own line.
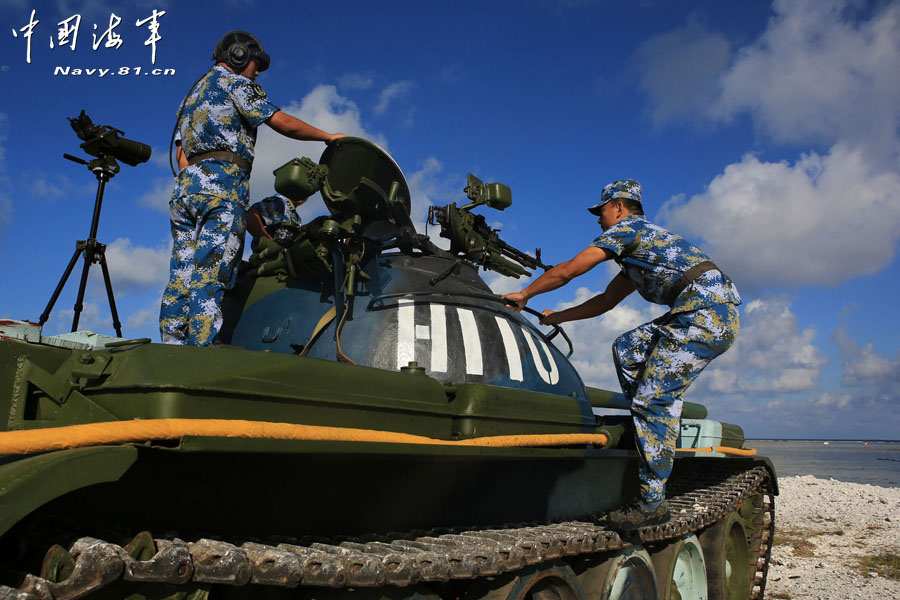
x=875, y=462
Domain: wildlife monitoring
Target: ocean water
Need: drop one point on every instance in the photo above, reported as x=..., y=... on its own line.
x=874, y=462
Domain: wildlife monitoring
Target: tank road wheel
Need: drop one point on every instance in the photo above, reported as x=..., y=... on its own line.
x=726, y=551
x=552, y=581
x=625, y=575
x=680, y=570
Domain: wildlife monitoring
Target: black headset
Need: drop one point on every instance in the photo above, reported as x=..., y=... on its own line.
x=237, y=48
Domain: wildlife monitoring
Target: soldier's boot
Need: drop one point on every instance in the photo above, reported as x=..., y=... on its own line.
x=636, y=514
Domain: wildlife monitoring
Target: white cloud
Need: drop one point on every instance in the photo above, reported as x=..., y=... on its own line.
x=771, y=355
x=133, y=269
x=780, y=224
x=428, y=187
x=355, y=81
x=392, y=92
x=143, y=318
x=835, y=400
x=90, y=319
x=680, y=70
x=159, y=195
x=452, y=74
x=863, y=366
x=501, y=284
x=870, y=385
x=50, y=187
x=160, y=157
x=819, y=74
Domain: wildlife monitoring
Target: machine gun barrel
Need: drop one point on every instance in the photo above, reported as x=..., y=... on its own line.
x=525, y=259
x=471, y=237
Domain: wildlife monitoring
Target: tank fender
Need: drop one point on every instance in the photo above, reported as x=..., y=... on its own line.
x=31, y=482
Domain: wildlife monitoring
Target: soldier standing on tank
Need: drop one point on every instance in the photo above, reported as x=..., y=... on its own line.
x=216, y=134
x=656, y=361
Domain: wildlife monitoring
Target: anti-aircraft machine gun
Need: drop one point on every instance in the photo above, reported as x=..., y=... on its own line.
x=471, y=237
x=375, y=424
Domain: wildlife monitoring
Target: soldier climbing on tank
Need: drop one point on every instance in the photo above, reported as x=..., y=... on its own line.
x=216, y=134
x=656, y=361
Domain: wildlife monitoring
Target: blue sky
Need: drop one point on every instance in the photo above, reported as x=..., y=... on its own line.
x=765, y=133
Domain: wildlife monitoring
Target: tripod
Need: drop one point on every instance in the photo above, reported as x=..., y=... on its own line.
x=104, y=168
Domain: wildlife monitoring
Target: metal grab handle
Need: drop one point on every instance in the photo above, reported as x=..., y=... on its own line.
x=556, y=330
x=489, y=297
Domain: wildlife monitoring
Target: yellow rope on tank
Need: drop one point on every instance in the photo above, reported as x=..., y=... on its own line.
x=722, y=449
x=140, y=430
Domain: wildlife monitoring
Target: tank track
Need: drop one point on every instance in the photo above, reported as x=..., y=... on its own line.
x=698, y=497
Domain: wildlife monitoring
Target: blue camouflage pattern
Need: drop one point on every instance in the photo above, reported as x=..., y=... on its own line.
x=208, y=234
x=656, y=362
x=655, y=258
x=624, y=188
x=278, y=216
x=209, y=204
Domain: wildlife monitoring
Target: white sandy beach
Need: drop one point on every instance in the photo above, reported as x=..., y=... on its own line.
x=823, y=528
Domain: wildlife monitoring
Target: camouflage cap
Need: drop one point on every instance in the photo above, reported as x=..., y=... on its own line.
x=623, y=188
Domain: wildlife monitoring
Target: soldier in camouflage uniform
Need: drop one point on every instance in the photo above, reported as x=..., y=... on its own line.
x=274, y=217
x=657, y=361
x=216, y=129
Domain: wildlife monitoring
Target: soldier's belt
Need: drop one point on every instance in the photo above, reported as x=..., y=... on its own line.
x=688, y=276
x=231, y=157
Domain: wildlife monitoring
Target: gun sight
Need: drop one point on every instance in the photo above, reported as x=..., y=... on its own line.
x=104, y=141
x=495, y=195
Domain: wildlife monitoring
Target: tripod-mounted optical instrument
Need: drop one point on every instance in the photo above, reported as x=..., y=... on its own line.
x=107, y=145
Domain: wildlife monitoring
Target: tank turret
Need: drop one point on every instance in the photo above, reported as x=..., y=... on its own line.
x=379, y=294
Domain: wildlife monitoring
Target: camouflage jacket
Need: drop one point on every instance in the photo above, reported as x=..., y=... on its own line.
x=654, y=259
x=221, y=113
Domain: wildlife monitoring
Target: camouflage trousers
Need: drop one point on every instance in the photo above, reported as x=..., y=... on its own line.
x=208, y=233
x=656, y=363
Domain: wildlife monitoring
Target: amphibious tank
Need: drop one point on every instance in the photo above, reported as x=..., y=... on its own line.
x=375, y=423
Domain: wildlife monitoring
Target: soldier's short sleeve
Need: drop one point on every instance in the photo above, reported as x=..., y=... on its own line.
x=616, y=239
x=253, y=103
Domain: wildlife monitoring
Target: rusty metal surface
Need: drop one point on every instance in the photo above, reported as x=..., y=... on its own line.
x=172, y=563
x=697, y=499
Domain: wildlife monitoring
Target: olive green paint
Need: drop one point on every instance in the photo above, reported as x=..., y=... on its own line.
x=31, y=482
